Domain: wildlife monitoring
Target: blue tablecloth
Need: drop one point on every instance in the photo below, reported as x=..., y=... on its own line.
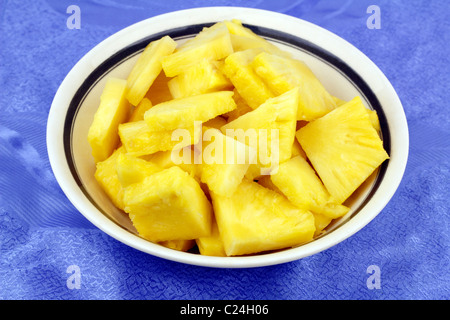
x=42, y=235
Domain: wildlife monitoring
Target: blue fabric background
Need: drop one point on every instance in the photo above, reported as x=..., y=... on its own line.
x=42, y=234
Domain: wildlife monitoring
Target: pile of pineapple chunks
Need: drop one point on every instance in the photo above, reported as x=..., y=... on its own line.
x=228, y=77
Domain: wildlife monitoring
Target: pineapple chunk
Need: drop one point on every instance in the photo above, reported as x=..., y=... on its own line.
x=181, y=113
x=159, y=90
x=106, y=176
x=275, y=116
x=211, y=245
x=140, y=109
x=282, y=74
x=139, y=140
x=321, y=222
x=249, y=85
x=244, y=38
x=168, y=205
x=203, y=77
x=133, y=170
x=179, y=245
x=210, y=44
x=113, y=110
x=343, y=147
x=255, y=219
x=299, y=183
x=147, y=68
x=224, y=161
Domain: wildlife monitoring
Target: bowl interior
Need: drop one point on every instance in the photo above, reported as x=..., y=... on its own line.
x=339, y=78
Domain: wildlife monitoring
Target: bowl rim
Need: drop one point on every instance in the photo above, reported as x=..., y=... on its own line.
x=259, y=17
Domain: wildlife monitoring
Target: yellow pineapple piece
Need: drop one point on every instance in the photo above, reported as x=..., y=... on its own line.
x=250, y=86
x=133, y=170
x=244, y=38
x=140, y=109
x=147, y=68
x=113, y=110
x=373, y=116
x=181, y=113
x=271, y=125
x=255, y=219
x=299, y=183
x=211, y=245
x=224, y=161
x=321, y=222
x=106, y=176
x=168, y=205
x=179, y=245
x=139, y=140
x=203, y=77
x=343, y=148
x=282, y=74
x=210, y=44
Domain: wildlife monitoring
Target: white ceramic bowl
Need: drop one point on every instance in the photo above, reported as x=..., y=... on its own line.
x=342, y=68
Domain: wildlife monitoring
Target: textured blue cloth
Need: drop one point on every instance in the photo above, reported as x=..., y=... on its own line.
x=42, y=234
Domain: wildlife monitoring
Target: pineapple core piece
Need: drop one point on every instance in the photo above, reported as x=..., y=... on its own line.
x=113, y=110
x=182, y=113
x=282, y=74
x=147, y=68
x=343, y=147
x=168, y=205
x=255, y=219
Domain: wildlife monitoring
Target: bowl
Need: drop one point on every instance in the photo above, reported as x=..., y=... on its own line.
x=343, y=69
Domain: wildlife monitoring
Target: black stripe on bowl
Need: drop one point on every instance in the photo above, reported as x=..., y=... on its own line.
x=188, y=32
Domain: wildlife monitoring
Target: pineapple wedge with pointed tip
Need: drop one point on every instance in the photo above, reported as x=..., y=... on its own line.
x=147, y=68
x=343, y=147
